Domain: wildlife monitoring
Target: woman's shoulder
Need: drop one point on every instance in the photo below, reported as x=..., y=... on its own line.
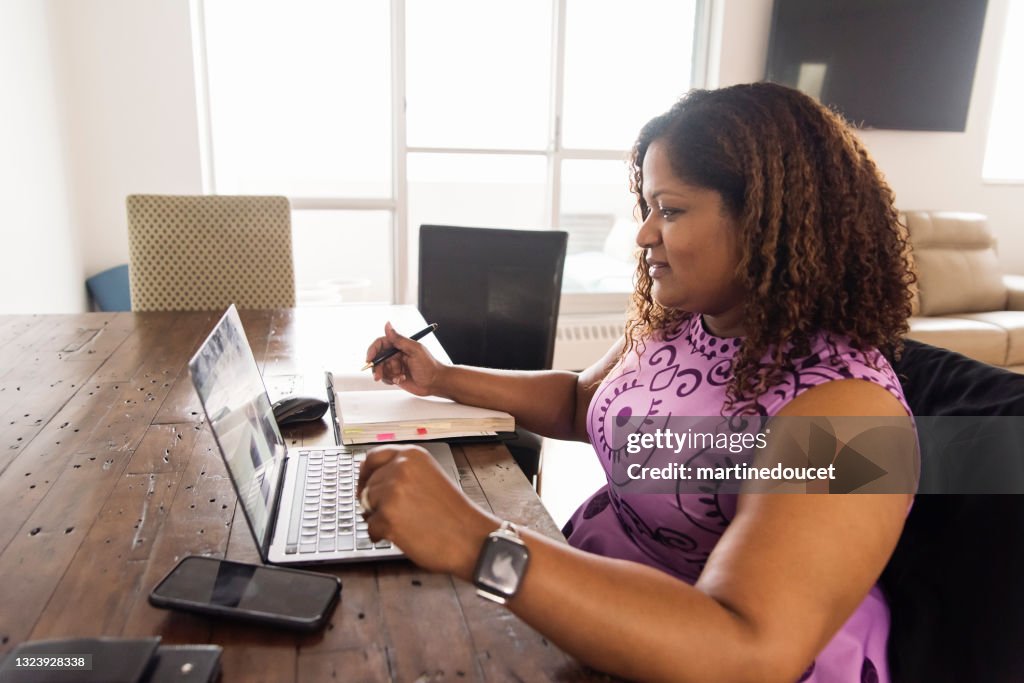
x=835, y=357
x=838, y=351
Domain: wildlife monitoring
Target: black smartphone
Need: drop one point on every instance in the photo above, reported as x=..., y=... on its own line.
x=272, y=595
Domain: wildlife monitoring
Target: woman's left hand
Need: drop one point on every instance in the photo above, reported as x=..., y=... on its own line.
x=417, y=507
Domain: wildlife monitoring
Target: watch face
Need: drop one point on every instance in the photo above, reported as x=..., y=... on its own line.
x=502, y=565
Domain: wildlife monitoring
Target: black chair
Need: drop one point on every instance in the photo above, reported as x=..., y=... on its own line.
x=494, y=294
x=954, y=582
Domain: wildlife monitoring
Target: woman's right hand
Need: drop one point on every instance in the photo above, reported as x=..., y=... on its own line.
x=413, y=368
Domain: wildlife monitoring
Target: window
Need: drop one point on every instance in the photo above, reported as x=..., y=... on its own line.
x=375, y=118
x=296, y=109
x=1004, y=155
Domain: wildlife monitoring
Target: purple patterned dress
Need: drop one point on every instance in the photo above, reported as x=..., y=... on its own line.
x=685, y=374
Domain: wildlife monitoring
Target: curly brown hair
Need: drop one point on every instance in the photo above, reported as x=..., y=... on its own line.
x=822, y=246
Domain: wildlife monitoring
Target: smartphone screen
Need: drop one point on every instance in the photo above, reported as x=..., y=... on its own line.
x=288, y=597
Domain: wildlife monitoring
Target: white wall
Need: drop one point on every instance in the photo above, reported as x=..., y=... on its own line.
x=126, y=75
x=926, y=170
x=40, y=265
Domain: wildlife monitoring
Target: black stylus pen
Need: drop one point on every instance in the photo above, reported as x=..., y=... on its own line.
x=384, y=355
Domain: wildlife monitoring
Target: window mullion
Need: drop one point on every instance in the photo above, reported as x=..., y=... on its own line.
x=202, y=80
x=554, y=185
x=474, y=150
x=594, y=154
x=701, y=41
x=342, y=204
x=400, y=234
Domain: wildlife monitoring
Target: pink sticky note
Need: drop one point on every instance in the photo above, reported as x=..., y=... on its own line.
x=386, y=436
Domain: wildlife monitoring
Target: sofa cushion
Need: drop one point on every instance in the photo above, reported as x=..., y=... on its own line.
x=1013, y=323
x=948, y=229
x=956, y=263
x=959, y=281
x=977, y=339
x=1015, y=292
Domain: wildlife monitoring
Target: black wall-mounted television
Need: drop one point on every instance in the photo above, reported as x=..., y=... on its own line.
x=893, y=64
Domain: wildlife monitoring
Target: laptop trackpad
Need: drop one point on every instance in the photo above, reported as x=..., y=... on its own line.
x=443, y=454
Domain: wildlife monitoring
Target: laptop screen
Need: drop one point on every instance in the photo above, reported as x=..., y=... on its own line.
x=231, y=390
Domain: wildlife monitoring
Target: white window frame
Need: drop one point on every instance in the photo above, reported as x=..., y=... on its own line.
x=1001, y=80
x=402, y=288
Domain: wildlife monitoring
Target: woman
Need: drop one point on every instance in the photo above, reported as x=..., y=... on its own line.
x=773, y=281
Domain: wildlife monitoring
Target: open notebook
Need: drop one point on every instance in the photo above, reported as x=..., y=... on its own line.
x=372, y=412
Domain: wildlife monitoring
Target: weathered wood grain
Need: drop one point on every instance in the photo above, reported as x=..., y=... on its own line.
x=361, y=664
x=423, y=608
x=109, y=476
x=196, y=522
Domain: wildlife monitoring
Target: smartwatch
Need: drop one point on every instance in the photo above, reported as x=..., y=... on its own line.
x=501, y=565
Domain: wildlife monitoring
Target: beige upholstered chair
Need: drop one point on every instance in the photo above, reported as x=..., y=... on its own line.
x=965, y=302
x=192, y=253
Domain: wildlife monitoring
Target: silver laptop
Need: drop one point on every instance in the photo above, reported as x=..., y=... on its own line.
x=301, y=506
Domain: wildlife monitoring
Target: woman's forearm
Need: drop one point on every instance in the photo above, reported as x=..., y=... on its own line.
x=544, y=401
x=634, y=621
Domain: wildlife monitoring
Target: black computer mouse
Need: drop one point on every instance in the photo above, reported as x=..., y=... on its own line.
x=293, y=410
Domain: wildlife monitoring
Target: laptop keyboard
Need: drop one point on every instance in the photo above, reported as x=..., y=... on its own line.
x=331, y=518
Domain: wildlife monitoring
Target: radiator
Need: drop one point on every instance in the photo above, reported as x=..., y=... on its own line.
x=583, y=339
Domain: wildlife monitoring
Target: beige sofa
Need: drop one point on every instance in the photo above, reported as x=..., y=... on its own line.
x=964, y=301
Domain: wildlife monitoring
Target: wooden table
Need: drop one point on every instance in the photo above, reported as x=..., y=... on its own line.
x=108, y=476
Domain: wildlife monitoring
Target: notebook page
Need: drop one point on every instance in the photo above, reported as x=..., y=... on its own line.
x=384, y=407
